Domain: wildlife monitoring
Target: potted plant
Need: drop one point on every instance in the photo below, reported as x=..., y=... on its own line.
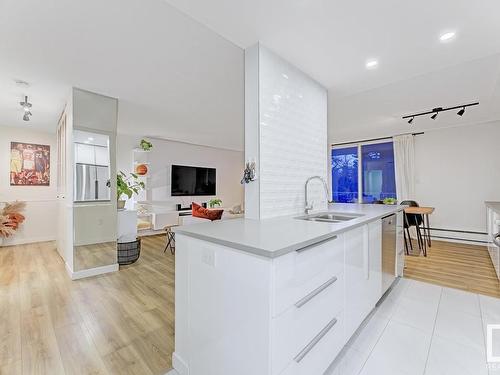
x=390, y=201
x=145, y=145
x=127, y=185
x=215, y=202
x=10, y=219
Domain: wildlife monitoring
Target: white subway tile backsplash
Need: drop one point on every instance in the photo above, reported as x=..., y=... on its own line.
x=293, y=136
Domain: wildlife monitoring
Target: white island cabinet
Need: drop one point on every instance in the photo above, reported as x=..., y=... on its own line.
x=363, y=273
x=493, y=222
x=253, y=306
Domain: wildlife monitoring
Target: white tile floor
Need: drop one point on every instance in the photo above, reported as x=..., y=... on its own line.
x=421, y=329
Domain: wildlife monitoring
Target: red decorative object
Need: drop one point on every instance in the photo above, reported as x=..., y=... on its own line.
x=205, y=213
x=141, y=169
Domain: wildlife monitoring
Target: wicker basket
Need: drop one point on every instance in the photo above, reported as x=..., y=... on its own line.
x=129, y=252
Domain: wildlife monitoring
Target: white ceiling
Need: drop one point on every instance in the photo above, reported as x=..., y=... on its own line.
x=174, y=78
x=378, y=112
x=177, y=79
x=331, y=40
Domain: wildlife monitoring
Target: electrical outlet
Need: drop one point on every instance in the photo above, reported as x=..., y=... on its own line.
x=208, y=257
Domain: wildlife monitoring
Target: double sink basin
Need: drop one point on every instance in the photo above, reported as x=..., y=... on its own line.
x=330, y=217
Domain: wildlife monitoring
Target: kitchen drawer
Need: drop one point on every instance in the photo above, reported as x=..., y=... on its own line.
x=295, y=328
x=318, y=355
x=300, y=272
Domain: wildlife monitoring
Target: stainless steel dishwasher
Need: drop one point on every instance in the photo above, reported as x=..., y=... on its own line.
x=388, y=251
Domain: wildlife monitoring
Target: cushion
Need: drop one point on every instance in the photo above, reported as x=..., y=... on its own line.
x=205, y=213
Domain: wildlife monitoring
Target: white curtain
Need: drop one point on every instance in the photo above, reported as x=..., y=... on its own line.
x=404, y=161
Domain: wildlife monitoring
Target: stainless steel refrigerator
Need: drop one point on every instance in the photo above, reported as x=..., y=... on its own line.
x=90, y=182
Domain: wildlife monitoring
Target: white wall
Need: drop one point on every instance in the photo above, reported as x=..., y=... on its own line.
x=40, y=224
x=457, y=169
x=229, y=165
x=288, y=125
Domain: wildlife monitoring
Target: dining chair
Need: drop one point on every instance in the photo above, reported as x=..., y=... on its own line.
x=413, y=220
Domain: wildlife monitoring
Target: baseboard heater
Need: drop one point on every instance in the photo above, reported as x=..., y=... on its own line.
x=473, y=236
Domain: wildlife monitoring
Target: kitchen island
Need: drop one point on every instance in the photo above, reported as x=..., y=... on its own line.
x=279, y=296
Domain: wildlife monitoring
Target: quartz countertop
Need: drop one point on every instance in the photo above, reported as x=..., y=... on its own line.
x=278, y=236
x=495, y=206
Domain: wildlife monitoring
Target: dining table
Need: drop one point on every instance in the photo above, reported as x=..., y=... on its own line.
x=425, y=212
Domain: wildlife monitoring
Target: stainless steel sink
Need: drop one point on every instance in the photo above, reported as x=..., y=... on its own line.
x=330, y=217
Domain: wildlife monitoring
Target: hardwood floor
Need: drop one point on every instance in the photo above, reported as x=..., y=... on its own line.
x=95, y=255
x=454, y=265
x=120, y=323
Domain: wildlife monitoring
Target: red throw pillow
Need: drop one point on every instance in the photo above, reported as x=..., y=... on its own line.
x=205, y=213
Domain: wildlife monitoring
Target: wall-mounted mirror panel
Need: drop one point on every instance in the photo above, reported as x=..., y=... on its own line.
x=92, y=167
x=94, y=163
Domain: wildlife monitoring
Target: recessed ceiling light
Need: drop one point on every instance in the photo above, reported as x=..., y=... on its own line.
x=447, y=36
x=87, y=142
x=90, y=138
x=371, y=64
x=285, y=76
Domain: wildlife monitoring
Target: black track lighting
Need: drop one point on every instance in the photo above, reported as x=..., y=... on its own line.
x=435, y=112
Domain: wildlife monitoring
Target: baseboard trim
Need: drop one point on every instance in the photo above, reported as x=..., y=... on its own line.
x=75, y=275
x=23, y=241
x=179, y=365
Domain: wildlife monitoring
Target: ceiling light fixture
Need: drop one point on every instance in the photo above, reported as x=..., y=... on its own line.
x=90, y=138
x=435, y=112
x=371, y=64
x=27, y=108
x=447, y=36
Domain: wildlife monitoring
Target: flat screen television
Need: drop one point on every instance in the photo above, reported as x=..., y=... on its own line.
x=187, y=181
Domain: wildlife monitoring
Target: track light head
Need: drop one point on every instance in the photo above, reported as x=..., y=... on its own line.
x=410, y=120
x=461, y=112
x=25, y=104
x=26, y=116
x=436, y=112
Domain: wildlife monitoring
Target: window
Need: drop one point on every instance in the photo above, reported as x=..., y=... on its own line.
x=378, y=172
x=374, y=163
x=345, y=174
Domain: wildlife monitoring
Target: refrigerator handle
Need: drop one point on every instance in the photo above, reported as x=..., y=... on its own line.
x=96, y=189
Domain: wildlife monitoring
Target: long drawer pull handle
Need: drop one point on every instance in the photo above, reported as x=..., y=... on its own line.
x=315, y=292
x=311, y=246
x=314, y=341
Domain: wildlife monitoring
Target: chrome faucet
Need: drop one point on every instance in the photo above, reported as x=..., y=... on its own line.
x=309, y=207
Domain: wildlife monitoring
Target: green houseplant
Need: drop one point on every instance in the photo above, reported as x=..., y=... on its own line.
x=127, y=185
x=389, y=201
x=146, y=145
x=215, y=202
